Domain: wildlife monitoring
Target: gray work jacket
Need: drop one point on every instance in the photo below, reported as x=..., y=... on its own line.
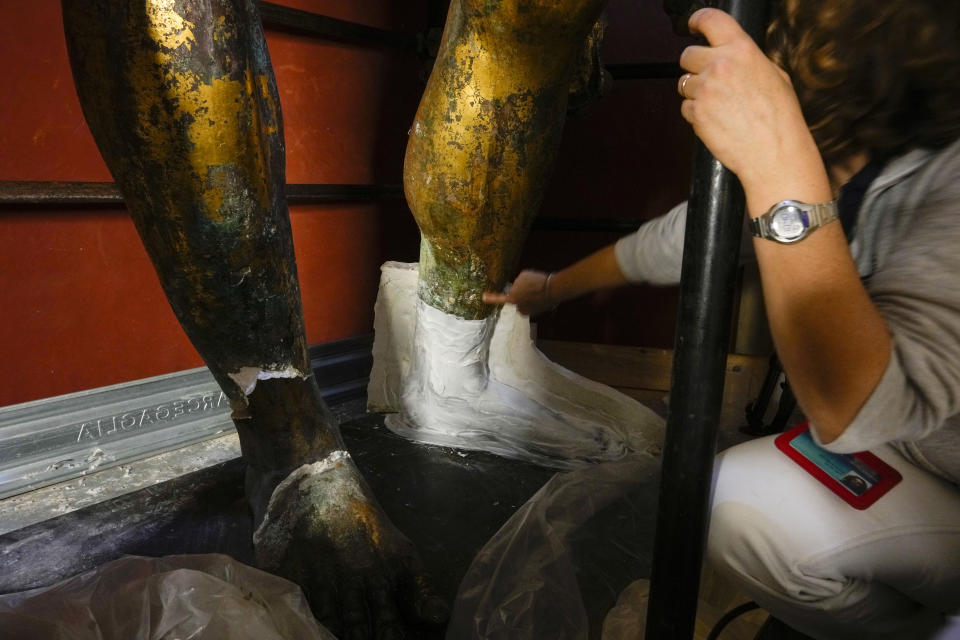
x=906, y=246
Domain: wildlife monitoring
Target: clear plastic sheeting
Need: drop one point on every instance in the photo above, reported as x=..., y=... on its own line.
x=189, y=597
x=625, y=620
x=533, y=578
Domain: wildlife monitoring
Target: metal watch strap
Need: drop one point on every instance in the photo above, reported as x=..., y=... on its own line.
x=758, y=227
x=818, y=215
x=822, y=213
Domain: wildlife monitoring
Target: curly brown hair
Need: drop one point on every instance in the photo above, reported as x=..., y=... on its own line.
x=874, y=76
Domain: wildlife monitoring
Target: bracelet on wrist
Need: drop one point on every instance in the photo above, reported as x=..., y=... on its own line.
x=546, y=292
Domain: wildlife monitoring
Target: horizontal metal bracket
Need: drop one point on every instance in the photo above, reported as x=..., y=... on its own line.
x=63, y=437
x=53, y=193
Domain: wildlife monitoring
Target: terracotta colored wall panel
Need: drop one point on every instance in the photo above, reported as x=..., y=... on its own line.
x=346, y=109
x=338, y=262
x=42, y=132
x=80, y=304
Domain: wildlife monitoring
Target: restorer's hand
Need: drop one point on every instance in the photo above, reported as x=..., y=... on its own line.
x=530, y=292
x=741, y=105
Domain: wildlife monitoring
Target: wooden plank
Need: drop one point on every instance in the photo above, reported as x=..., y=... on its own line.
x=638, y=367
x=644, y=374
x=614, y=365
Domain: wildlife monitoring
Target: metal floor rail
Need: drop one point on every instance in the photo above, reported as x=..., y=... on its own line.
x=56, y=439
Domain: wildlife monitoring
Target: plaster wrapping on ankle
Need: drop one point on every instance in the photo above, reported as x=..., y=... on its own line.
x=451, y=353
x=521, y=405
x=451, y=398
x=517, y=362
x=395, y=320
x=332, y=461
x=247, y=377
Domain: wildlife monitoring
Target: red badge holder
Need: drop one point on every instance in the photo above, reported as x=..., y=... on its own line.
x=859, y=479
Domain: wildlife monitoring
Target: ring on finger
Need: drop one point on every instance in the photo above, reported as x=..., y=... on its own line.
x=683, y=85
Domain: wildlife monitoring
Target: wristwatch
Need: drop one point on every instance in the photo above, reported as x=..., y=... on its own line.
x=791, y=221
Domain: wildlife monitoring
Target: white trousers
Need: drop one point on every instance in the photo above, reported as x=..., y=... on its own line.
x=825, y=568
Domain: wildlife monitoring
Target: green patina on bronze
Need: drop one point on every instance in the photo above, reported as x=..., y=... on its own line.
x=181, y=99
x=483, y=142
x=182, y=102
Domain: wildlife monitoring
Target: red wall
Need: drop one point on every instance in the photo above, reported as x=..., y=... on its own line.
x=80, y=306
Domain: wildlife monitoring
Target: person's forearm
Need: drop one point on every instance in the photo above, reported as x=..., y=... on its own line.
x=597, y=271
x=832, y=341
x=830, y=337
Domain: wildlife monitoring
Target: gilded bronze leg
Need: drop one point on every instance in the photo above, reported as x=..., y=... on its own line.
x=484, y=140
x=181, y=99
x=480, y=151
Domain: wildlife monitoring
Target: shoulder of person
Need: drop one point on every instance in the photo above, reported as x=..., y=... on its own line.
x=941, y=173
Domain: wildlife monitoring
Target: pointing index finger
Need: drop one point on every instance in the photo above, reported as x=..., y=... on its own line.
x=494, y=298
x=717, y=26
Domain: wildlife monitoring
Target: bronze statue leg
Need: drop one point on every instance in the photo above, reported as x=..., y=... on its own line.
x=481, y=149
x=484, y=139
x=182, y=102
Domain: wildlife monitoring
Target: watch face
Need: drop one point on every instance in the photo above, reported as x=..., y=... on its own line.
x=789, y=222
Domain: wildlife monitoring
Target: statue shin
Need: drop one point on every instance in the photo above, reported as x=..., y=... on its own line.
x=182, y=102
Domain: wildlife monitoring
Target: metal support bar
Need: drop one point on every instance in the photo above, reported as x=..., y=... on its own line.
x=711, y=245
x=34, y=192
x=313, y=24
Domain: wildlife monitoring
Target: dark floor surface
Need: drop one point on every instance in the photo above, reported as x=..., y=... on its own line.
x=448, y=502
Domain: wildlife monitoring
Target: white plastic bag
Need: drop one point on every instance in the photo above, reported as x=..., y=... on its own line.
x=188, y=597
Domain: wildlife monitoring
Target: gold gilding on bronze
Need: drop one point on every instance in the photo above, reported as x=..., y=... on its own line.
x=370, y=520
x=168, y=28
x=483, y=140
x=180, y=99
x=218, y=115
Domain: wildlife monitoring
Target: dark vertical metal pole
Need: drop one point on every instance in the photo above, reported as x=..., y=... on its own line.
x=710, y=257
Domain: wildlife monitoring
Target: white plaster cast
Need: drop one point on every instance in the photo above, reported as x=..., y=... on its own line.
x=483, y=384
x=394, y=324
x=247, y=377
x=335, y=459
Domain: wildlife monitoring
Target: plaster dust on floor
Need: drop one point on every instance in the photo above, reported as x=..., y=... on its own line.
x=96, y=486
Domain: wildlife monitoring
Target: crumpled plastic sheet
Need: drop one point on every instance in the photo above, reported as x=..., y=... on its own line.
x=186, y=597
x=630, y=613
x=524, y=582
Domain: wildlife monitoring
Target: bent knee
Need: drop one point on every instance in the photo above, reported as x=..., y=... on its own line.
x=759, y=553
x=739, y=540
